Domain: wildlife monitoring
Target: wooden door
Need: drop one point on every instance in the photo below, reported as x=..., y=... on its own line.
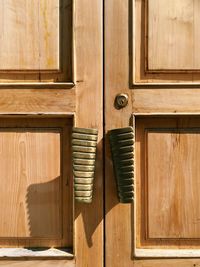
x=152, y=55
x=50, y=81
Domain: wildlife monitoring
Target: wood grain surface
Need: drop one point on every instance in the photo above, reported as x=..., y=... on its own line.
x=89, y=113
x=120, y=68
x=36, y=41
x=77, y=90
x=167, y=173
x=33, y=27
x=177, y=48
x=35, y=201
x=164, y=56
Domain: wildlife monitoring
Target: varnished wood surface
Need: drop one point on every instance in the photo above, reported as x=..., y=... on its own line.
x=118, y=79
x=118, y=247
x=84, y=101
x=36, y=41
x=37, y=101
x=167, y=171
x=39, y=253
x=167, y=57
x=39, y=263
x=26, y=155
x=172, y=192
x=33, y=183
x=33, y=27
x=89, y=114
x=166, y=100
x=176, y=48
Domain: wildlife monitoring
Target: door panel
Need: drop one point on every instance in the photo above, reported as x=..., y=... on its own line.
x=165, y=56
x=41, y=22
x=167, y=178
x=150, y=58
x=167, y=49
x=50, y=81
x=36, y=41
x=33, y=183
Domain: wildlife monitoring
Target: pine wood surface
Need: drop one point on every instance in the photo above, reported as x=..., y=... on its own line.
x=164, y=57
x=89, y=113
x=77, y=93
x=152, y=98
x=39, y=263
x=35, y=201
x=41, y=47
x=167, y=172
x=33, y=27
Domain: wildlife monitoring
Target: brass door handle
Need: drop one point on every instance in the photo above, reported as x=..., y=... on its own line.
x=121, y=142
x=84, y=145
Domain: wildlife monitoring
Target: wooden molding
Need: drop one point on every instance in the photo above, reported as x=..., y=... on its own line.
x=142, y=72
x=167, y=253
x=56, y=58
x=37, y=85
x=29, y=186
x=163, y=142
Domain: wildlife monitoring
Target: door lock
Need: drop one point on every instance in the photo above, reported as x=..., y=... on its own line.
x=121, y=101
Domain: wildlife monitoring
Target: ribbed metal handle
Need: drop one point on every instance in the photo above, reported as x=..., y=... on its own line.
x=121, y=141
x=84, y=144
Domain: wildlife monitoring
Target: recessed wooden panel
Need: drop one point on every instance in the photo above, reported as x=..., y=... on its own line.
x=29, y=35
x=173, y=35
x=168, y=179
x=30, y=183
x=173, y=172
x=166, y=41
x=36, y=41
x=35, y=202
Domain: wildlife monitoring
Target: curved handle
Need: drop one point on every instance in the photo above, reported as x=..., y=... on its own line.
x=121, y=142
x=84, y=144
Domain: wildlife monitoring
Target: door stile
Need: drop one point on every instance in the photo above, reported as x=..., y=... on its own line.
x=89, y=114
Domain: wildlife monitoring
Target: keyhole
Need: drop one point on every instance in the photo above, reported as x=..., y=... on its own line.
x=121, y=101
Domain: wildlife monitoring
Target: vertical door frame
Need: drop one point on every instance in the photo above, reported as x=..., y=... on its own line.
x=117, y=216
x=88, y=34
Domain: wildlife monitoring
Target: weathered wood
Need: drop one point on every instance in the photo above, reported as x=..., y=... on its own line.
x=89, y=114
x=34, y=253
x=41, y=80
x=37, y=101
x=167, y=185
x=38, y=263
x=118, y=216
x=168, y=50
x=167, y=253
x=36, y=204
x=36, y=42
x=165, y=57
x=33, y=27
x=166, y=100
x=120, y=68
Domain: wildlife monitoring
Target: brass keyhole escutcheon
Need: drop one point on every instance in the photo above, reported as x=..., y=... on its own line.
x=121, y=101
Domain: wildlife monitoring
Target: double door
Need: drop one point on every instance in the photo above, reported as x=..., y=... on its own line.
x=98, y=66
